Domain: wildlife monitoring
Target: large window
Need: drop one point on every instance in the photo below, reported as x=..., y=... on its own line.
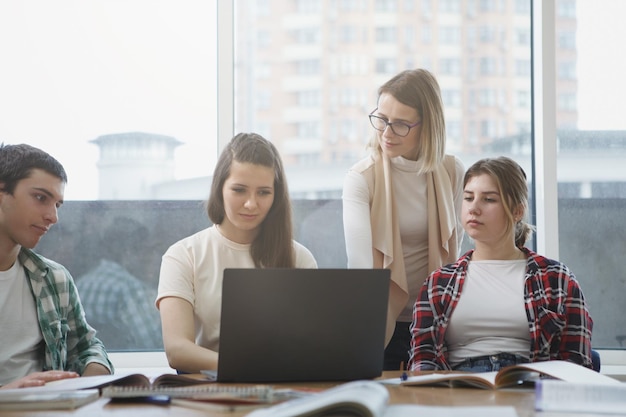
x=591, y=158
x=135, y=98
x=486, y=87
x=123, y=93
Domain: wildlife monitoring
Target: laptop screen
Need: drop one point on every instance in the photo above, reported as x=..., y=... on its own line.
x=302, y=324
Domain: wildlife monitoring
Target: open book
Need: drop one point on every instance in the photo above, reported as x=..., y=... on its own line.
x=511, y=376
x=368, y=398
x=121, y=380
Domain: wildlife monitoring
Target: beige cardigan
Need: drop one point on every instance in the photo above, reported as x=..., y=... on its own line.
x=444, y=238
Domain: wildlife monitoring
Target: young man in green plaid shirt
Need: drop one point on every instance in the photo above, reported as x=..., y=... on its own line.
x=43, y=332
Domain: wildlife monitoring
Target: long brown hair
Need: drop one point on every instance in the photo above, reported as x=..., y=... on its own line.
x=273, y=246
x=511, y=181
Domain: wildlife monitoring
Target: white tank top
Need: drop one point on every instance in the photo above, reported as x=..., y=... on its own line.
x=490, y=316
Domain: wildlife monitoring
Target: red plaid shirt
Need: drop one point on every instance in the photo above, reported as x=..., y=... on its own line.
x=558, y=318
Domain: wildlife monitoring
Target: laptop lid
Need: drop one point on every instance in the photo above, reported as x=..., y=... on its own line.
x=302, y=324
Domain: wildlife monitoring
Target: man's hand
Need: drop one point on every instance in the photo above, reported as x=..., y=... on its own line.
x=37, y=379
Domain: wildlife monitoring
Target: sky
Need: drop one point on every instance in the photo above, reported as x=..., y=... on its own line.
x=601, y=64
x=79, y=86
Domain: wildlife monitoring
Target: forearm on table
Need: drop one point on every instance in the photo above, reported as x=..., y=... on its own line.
x=186, y=356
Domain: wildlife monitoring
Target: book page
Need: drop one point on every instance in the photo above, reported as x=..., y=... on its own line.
x=122, y=380
x=215, y=406
x=411, y=410
x=485, y=380
x=87, y=382
x=357, y=398
x=562, y=370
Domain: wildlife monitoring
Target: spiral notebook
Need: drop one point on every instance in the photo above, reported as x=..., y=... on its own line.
x=207, y=397
x=295, y=325
x=207, y=392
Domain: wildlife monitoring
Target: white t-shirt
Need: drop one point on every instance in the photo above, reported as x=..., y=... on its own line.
x=193, y=268
x=21, y=344
x=490, y=316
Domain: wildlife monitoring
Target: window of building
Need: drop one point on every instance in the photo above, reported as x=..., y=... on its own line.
x=488, y=129
x=386, y=34
x=348, y=34
x=567, y=101
x=386, y=66
x=451, y=98
x=308, y=6
x=410, y=37
x=386, y=5
x=566, y=40
x=450, y=66
x=487, y=97
x=310, y=98
x=566, y=8
x=522, y=36
x=306, y=66
x=409, y=5
x=352, y=5
x=426, y=34
x=487, y=34
x=522, y=67
x=488, y=66
x=567, y=70
x=307, y=35
x=307, y=130
x=450, y=35
x=522, y=7
x=450, y=6
x=487, y=5
x=523, y=99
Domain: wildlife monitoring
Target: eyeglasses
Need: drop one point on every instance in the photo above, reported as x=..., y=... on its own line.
x=398, y=128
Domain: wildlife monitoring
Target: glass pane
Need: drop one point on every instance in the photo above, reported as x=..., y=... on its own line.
x=592, y=157
x=307, y=77
x=123, y=93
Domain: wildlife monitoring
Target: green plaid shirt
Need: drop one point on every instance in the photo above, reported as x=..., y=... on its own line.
x=70, y=343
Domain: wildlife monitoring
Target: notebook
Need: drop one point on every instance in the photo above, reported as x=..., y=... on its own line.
x=290, y=325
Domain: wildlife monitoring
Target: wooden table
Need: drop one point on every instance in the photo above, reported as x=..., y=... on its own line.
x=522, y=400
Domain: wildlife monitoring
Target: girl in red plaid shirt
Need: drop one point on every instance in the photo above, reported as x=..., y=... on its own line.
x=501, y=303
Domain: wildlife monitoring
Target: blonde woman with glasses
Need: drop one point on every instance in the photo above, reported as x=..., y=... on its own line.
x=401, y=204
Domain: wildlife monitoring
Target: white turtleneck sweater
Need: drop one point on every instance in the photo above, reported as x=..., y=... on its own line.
x=409, y=190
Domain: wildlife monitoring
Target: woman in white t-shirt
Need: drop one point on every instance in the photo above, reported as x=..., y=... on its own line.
x=250, y=209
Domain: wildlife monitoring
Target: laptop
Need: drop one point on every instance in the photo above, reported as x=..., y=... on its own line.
x=290, y=325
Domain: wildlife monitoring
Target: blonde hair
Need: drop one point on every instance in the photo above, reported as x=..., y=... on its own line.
x=419, y=89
